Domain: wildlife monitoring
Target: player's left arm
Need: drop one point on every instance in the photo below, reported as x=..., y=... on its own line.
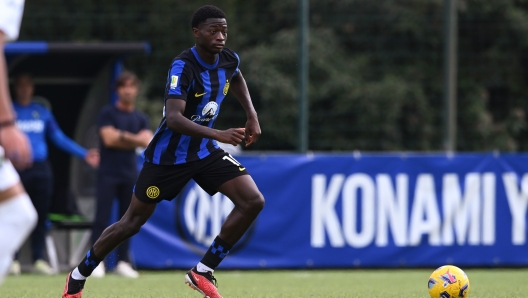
x=241, y=92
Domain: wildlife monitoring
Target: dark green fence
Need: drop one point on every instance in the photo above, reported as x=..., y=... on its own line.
x=375, y=66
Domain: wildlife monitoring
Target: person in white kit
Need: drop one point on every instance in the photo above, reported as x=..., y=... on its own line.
x=17, y=214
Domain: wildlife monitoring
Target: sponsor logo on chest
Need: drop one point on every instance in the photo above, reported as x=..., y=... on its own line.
x=208, y=113
x=31, y=126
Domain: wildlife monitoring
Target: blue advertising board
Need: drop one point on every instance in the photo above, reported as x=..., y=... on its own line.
x=342, y=211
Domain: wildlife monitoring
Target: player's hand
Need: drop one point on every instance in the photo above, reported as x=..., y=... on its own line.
x=16, y=146
x=252, y=131
x=231, y=136
x=92, y=158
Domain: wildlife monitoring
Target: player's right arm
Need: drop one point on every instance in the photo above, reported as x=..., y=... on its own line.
x=6, y=110
x=179, y=123
x=16, y=144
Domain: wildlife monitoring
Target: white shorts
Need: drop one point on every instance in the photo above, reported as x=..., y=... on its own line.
x=11, y=17
x=8, y=174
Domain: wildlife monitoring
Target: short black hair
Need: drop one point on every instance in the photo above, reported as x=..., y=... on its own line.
x=206, y=12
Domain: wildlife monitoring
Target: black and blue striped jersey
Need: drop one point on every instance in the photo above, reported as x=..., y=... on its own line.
x=203, y=86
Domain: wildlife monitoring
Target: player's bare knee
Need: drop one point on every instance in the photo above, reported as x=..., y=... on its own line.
x=255, y=204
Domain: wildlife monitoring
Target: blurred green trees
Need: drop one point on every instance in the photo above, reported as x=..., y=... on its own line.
x=375, y=66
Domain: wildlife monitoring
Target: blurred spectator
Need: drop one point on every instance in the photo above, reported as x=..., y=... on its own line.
x=38, y=122
x=122, y=130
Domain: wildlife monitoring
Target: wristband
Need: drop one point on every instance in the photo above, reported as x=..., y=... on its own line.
x=7, y=123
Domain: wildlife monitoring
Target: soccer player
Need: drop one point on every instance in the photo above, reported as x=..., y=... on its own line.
x=184, y=147
x=17, y=215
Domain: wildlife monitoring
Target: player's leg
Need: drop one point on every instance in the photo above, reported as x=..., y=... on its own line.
x=248, y=200
x=17, y=219
x=124, y=266
x=154, y=184
x=137, y=214
x=17, y=215
x=26, y=179
x=231, y=179
x=135, y=217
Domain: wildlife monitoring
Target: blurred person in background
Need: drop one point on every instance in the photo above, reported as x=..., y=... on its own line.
x=185, y=147
x=39, y=124
x=17, y=215
x=122, y=129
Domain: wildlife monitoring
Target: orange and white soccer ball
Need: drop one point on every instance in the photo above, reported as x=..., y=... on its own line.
x=448, y=282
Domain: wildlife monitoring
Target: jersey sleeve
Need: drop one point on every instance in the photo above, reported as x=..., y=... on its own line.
x=10, y=18
x=60, y=140
x=179, y=79
x=238, y=59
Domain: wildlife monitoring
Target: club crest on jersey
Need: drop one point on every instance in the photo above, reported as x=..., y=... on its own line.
x=208, y=113
x=226, y=87
x=174, y=82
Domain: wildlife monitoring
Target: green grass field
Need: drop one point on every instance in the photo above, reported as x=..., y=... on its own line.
x=494, y=283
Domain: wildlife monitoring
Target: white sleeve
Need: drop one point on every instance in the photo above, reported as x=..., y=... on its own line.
x=11, y=17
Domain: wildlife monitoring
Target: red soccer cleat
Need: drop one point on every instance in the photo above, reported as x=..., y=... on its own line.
x=73, y=287
x=204, y=283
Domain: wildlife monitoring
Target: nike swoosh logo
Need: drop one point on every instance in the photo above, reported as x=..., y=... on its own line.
x=241, y=169
x=199, y=94
x=195, y=276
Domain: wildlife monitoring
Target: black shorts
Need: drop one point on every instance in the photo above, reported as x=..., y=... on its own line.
x=164, y=182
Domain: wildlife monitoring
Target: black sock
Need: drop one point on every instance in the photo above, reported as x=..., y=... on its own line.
x=88, y=264
x=216, y=253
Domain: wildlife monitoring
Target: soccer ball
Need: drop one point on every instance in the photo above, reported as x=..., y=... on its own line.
x=448, y=282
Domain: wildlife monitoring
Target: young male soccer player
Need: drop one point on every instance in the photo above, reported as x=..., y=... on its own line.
x=17, y=214
x=184, y=147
